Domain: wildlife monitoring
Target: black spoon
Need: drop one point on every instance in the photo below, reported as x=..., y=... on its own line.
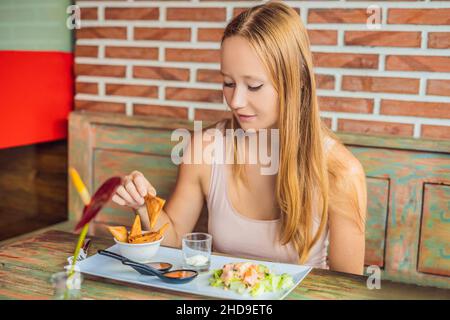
x=160, y=266
x=174, y=276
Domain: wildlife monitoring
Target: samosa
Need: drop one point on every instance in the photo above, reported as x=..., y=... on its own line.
x=120, y=233
x=136, y=229
x=154, y=207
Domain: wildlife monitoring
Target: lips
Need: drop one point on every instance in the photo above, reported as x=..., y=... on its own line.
x=246, y=117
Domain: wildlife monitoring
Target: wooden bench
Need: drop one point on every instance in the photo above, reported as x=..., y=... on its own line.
x=408, y=180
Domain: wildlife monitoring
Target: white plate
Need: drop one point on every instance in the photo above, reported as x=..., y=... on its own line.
x=106, y=267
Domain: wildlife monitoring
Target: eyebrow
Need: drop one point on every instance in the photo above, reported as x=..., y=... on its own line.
x=246, y=76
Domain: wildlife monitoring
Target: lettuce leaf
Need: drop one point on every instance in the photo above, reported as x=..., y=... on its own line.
x=269, y=283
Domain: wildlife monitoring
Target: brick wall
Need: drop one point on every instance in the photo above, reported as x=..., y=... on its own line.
x=162, y=58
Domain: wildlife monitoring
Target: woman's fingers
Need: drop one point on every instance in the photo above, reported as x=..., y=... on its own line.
x=142, y=184
x=123, y=193
x=117, y=199
x=131, y=188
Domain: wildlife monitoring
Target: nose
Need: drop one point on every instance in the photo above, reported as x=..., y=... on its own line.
x=239, y=98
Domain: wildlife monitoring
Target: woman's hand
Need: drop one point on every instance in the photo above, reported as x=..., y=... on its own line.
x=133, y=190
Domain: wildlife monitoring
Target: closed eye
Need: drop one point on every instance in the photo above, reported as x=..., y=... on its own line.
x=231, y=85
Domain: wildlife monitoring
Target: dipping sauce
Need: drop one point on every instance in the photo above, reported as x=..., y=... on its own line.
x=197, y=260
x=160, y=265
x=179, y=274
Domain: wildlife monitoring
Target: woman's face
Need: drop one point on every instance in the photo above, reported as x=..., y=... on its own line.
x=246, y=86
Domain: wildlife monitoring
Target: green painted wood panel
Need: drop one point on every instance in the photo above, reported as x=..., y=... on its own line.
x=377, y=209
x=434, y=253
x=35, y=25
x=145, y=140
x=407, y=171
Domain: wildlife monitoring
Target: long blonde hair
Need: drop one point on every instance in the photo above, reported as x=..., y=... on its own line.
x=274, y=30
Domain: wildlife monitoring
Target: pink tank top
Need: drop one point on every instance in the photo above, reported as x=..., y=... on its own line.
x=239, y=235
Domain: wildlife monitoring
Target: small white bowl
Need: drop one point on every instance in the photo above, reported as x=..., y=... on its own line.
x=139, y=252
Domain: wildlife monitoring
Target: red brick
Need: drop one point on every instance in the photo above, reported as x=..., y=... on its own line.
x=162, y=34
x=99, y=70
x=162, y=111
x=99, y=106
x=375, y=127
x=132, y=90
x=206, y=75
x=86, y=51
x=438, y=87
x=212, y=115
x=322, y=37
x=161, y=73
x=324, y=81
x=327, y=121
x=189, y=94
x=341, y=104
x=345, y=60
x=210, y=34
x=131, y=53
x=101, y=33
x=335, y=15
x=435, y=132
x=237, y=11
x=382, y=38
x=415, y=109
x=196, y=14
x=439, y=40
x=86, y=87
x=131, y=13
x=418, y=63
x=421, y=16
x=380, y=84
x=88, y=14
x=193, y=55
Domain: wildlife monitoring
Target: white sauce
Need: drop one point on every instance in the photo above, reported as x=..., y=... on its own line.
x=197, y=260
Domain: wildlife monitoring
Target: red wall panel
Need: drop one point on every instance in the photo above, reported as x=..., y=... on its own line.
x=36, y=96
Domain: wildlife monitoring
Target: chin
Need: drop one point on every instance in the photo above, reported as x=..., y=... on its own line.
x=257, y=125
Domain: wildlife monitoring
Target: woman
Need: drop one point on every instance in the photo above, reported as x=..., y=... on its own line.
x=312, y=211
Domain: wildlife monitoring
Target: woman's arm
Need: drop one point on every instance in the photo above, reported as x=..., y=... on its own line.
x=347, y=213
x=184, y=206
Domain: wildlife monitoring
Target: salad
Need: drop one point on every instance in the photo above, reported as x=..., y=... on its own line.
x=247, y=277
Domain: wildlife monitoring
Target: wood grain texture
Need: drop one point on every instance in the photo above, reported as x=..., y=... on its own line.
x=377, y=210
x=407, y=172
x=434, y=252
x=33, y=182
x=27, y=265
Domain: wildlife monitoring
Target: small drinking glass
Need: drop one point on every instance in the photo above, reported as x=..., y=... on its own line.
x=196, y=249
x=66, y=287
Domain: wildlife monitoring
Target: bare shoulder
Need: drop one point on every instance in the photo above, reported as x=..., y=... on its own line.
x=339, y=155
x=200, y=141
x=197, y=160
x=348, y=193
